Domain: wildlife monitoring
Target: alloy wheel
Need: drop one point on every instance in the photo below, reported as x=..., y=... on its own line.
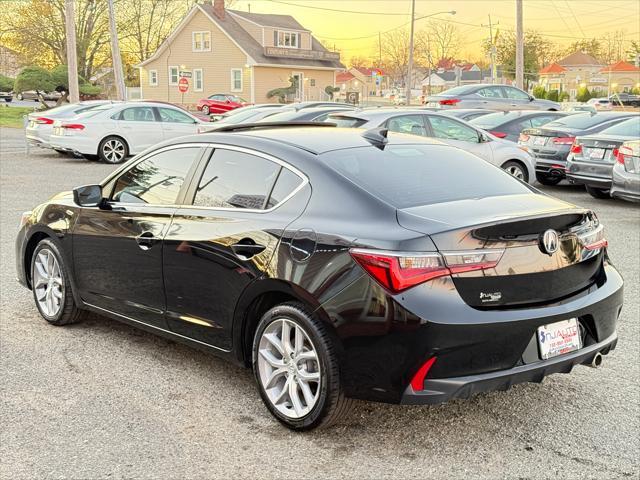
x=289, y=368
x=113, y=150
x=48, y=282
x=516, y=171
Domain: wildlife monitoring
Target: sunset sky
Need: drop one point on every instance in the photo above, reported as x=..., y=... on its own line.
x=562, y=21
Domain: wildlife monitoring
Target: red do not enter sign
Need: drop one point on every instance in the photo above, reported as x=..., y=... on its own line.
x=183, y=85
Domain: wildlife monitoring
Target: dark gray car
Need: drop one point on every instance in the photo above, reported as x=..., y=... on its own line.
x=592, y=157
x=508, y=125
x=495, y=97
x=466, y=114
x=315, y=114
x=625, y=183
x=551, y=143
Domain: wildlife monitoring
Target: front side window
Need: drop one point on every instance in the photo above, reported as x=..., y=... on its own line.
x=153, y=78
x=138, y=114
x=236, y=79
x=288, y=39
x=411, y=124
x=173, y=75
x=490, y=92
x=515, y=94
x=157, y=179
x=201, y=41
x=236, y=180
x=174, y=116
x=446, y=128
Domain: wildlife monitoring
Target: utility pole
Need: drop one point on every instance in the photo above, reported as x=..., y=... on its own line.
x=519, y=47
x=72, y=59
x=379, y=49
x=492, y=51
x=410, y=64
x=115, y=54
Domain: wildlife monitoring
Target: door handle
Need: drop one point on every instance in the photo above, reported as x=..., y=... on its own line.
x=145, y=240
x=246, y=248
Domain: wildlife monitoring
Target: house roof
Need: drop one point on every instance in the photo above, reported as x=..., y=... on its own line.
x=270, y=20
x=344, y=77
x=620, y=66
x=553, y=68
x=256, y=51
x=579, y=58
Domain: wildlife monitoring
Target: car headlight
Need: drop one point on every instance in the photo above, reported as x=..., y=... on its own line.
x=24, y=218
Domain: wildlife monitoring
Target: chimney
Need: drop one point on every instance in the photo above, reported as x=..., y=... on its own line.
x=218, y=8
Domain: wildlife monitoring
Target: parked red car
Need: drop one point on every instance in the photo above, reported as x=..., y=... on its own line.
x=221, y=103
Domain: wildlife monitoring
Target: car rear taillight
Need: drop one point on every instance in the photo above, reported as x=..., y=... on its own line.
x=44, y=121
x=615, y=152
x=576, y=148
x=73, y=126
x=563, y=140
x=523, y=137
x=397, y=271
x=619, y=153
x=497, y=134
x=417, y=382
x=449, y=101
x=593, y=238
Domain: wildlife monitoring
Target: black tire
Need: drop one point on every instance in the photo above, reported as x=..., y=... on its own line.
x=62, y=152
x=8, y=100
x=205, y=109
x=68, y=312
x=512, y=165
x=91, y=158
x=104, y=156
x=549, y=180
x=331, y=404
x=601, y=193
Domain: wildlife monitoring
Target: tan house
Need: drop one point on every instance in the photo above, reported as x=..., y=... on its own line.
x=245, y=54
x=572, y=72
x=622, y=76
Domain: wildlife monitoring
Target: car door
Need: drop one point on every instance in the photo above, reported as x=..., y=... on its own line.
x=224, y=240
x=412, y=124
x=176, y=123
x=517, y=99
x=218, y=104
x=140, y=127
x=117, y=249
x=459, y=135
x=492, y=97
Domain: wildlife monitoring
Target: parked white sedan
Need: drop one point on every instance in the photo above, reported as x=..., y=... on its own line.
x=452, y=131
x=113, y=132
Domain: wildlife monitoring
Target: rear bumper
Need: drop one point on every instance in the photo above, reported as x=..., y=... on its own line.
x=443, y=389
x=552, y=168
x=74, y=144
x=595, y=182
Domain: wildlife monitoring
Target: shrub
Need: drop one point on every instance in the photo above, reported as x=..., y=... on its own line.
x=6, y=83
x=564, y=96
x=539, y=92
x=583, y=94
x=552, y=95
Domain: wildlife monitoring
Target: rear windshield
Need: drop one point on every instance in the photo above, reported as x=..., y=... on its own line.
x=494, y=119
x=411, y=175
x=585, y=120
x=628, y=128
x=345, y=122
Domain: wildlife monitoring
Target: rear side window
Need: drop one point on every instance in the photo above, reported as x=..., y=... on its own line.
x=137, y=114
x=490, y=92
x=446, y=128
x=411, y=175
x=240, y=180
x=157, y=179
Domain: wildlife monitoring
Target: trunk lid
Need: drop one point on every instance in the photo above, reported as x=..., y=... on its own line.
x=526, y=274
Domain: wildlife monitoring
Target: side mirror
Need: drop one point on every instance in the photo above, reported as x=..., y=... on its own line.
x=88, y=195
x=531, y=98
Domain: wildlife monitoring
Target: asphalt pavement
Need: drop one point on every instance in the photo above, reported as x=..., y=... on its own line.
x=103, y=400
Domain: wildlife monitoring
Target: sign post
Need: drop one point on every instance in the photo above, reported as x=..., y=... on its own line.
x=183, y=86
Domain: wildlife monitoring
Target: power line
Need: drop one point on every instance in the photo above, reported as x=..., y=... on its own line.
x=358, y=12
x=574, y=17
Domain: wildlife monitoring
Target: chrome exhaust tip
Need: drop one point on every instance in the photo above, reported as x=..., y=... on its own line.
x=597, y=360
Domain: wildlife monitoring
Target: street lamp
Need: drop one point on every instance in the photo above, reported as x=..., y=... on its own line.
x=410, y=64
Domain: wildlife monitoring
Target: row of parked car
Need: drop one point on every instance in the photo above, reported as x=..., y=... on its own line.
x=593, y=149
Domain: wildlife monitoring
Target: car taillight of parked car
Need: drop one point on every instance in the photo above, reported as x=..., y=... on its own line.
x=523, y=137
x=497, y=134
x=619, y=153
x=449, y=101
x=44, y=121
x=576, y=147
x=397, y=272
x=563, y=140
x=73, y=126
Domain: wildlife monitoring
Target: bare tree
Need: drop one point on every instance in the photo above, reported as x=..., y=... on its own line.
x=613, y=46
x=395, y=53
x=442, y=39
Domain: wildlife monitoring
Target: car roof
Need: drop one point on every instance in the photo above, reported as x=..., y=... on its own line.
x=315, y=140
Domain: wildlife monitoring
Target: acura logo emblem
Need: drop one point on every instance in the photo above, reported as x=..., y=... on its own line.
x=549, y=242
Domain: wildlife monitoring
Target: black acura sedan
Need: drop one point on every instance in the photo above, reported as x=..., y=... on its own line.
x=335, y=263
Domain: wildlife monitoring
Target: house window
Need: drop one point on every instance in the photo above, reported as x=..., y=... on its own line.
x=197, y=79
x=236, y=79
x=201, y=41
x=287, y=39
x=153, y=78
x=173, y=75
